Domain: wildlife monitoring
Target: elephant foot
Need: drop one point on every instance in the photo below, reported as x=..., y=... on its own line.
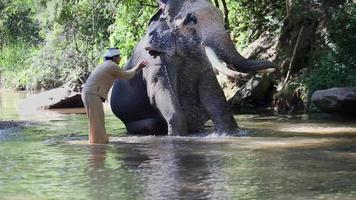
x=149, y=126
x=179, y=130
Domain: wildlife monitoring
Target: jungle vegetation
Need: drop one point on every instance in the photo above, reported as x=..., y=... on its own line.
x=46, y=43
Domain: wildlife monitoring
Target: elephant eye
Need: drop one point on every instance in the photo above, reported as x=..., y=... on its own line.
x=190, y=19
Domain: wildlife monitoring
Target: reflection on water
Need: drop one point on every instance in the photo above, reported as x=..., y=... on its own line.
x=8, y=104
x=277, y=158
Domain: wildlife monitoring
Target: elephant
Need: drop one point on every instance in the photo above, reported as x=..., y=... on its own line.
x=178, y=92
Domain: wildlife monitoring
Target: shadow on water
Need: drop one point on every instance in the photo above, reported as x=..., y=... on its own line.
x=273, y=157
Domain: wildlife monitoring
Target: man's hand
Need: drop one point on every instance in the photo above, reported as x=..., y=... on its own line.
x=142, y=64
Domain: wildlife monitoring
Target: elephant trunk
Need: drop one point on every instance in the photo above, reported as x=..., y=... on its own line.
x=226, y=52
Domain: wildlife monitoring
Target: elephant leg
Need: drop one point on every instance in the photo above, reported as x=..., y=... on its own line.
x=214, y=101
x=163, y=96
x=195, y=113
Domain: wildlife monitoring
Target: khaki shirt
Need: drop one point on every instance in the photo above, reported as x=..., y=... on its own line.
x=103, y=76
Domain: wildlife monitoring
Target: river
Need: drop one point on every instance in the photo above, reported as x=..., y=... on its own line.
x=274, y=157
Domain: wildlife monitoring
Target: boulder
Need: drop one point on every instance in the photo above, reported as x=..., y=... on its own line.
x=264, y=48
x=67, y=96
x=336, y=100
x=256, y=93
x=229, y=86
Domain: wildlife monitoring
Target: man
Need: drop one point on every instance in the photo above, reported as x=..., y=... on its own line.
x=96, y=89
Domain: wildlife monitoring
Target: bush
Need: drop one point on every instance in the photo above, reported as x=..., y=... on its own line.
x=249, y=19
x=127, y=31
x=13, y=65
x=336, y=65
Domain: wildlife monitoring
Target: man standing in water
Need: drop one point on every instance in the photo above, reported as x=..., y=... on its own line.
x=96, y=89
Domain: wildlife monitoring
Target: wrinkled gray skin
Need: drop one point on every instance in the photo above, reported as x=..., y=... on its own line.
x=180, y=82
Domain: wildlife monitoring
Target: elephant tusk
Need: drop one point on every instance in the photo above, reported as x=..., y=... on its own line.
x=220, y=65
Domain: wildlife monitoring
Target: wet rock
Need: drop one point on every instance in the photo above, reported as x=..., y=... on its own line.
x=336, y=100
x=264, y=48
x=229, y=86
x=67, y=96
x=256, y=93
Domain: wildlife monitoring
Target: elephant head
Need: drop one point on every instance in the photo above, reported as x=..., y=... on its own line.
x=202, y=23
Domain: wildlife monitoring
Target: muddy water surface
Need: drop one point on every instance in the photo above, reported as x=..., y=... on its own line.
x=274, y=157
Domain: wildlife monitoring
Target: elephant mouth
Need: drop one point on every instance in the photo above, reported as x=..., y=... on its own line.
x=153, y=52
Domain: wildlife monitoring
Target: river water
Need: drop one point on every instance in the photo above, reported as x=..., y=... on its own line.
x=274, y=157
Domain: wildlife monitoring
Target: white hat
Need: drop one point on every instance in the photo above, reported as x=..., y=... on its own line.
x=112, y=52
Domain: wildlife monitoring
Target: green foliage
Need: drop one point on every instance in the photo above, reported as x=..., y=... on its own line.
x=66, y=38
x=13, y=65
x=75, y=34
x=336, y=66
x=293, y=98
x=249, y=19
x=17, y=24
x=295, y=86
x=131, y=21
x=78, y=32
x=45, y=43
